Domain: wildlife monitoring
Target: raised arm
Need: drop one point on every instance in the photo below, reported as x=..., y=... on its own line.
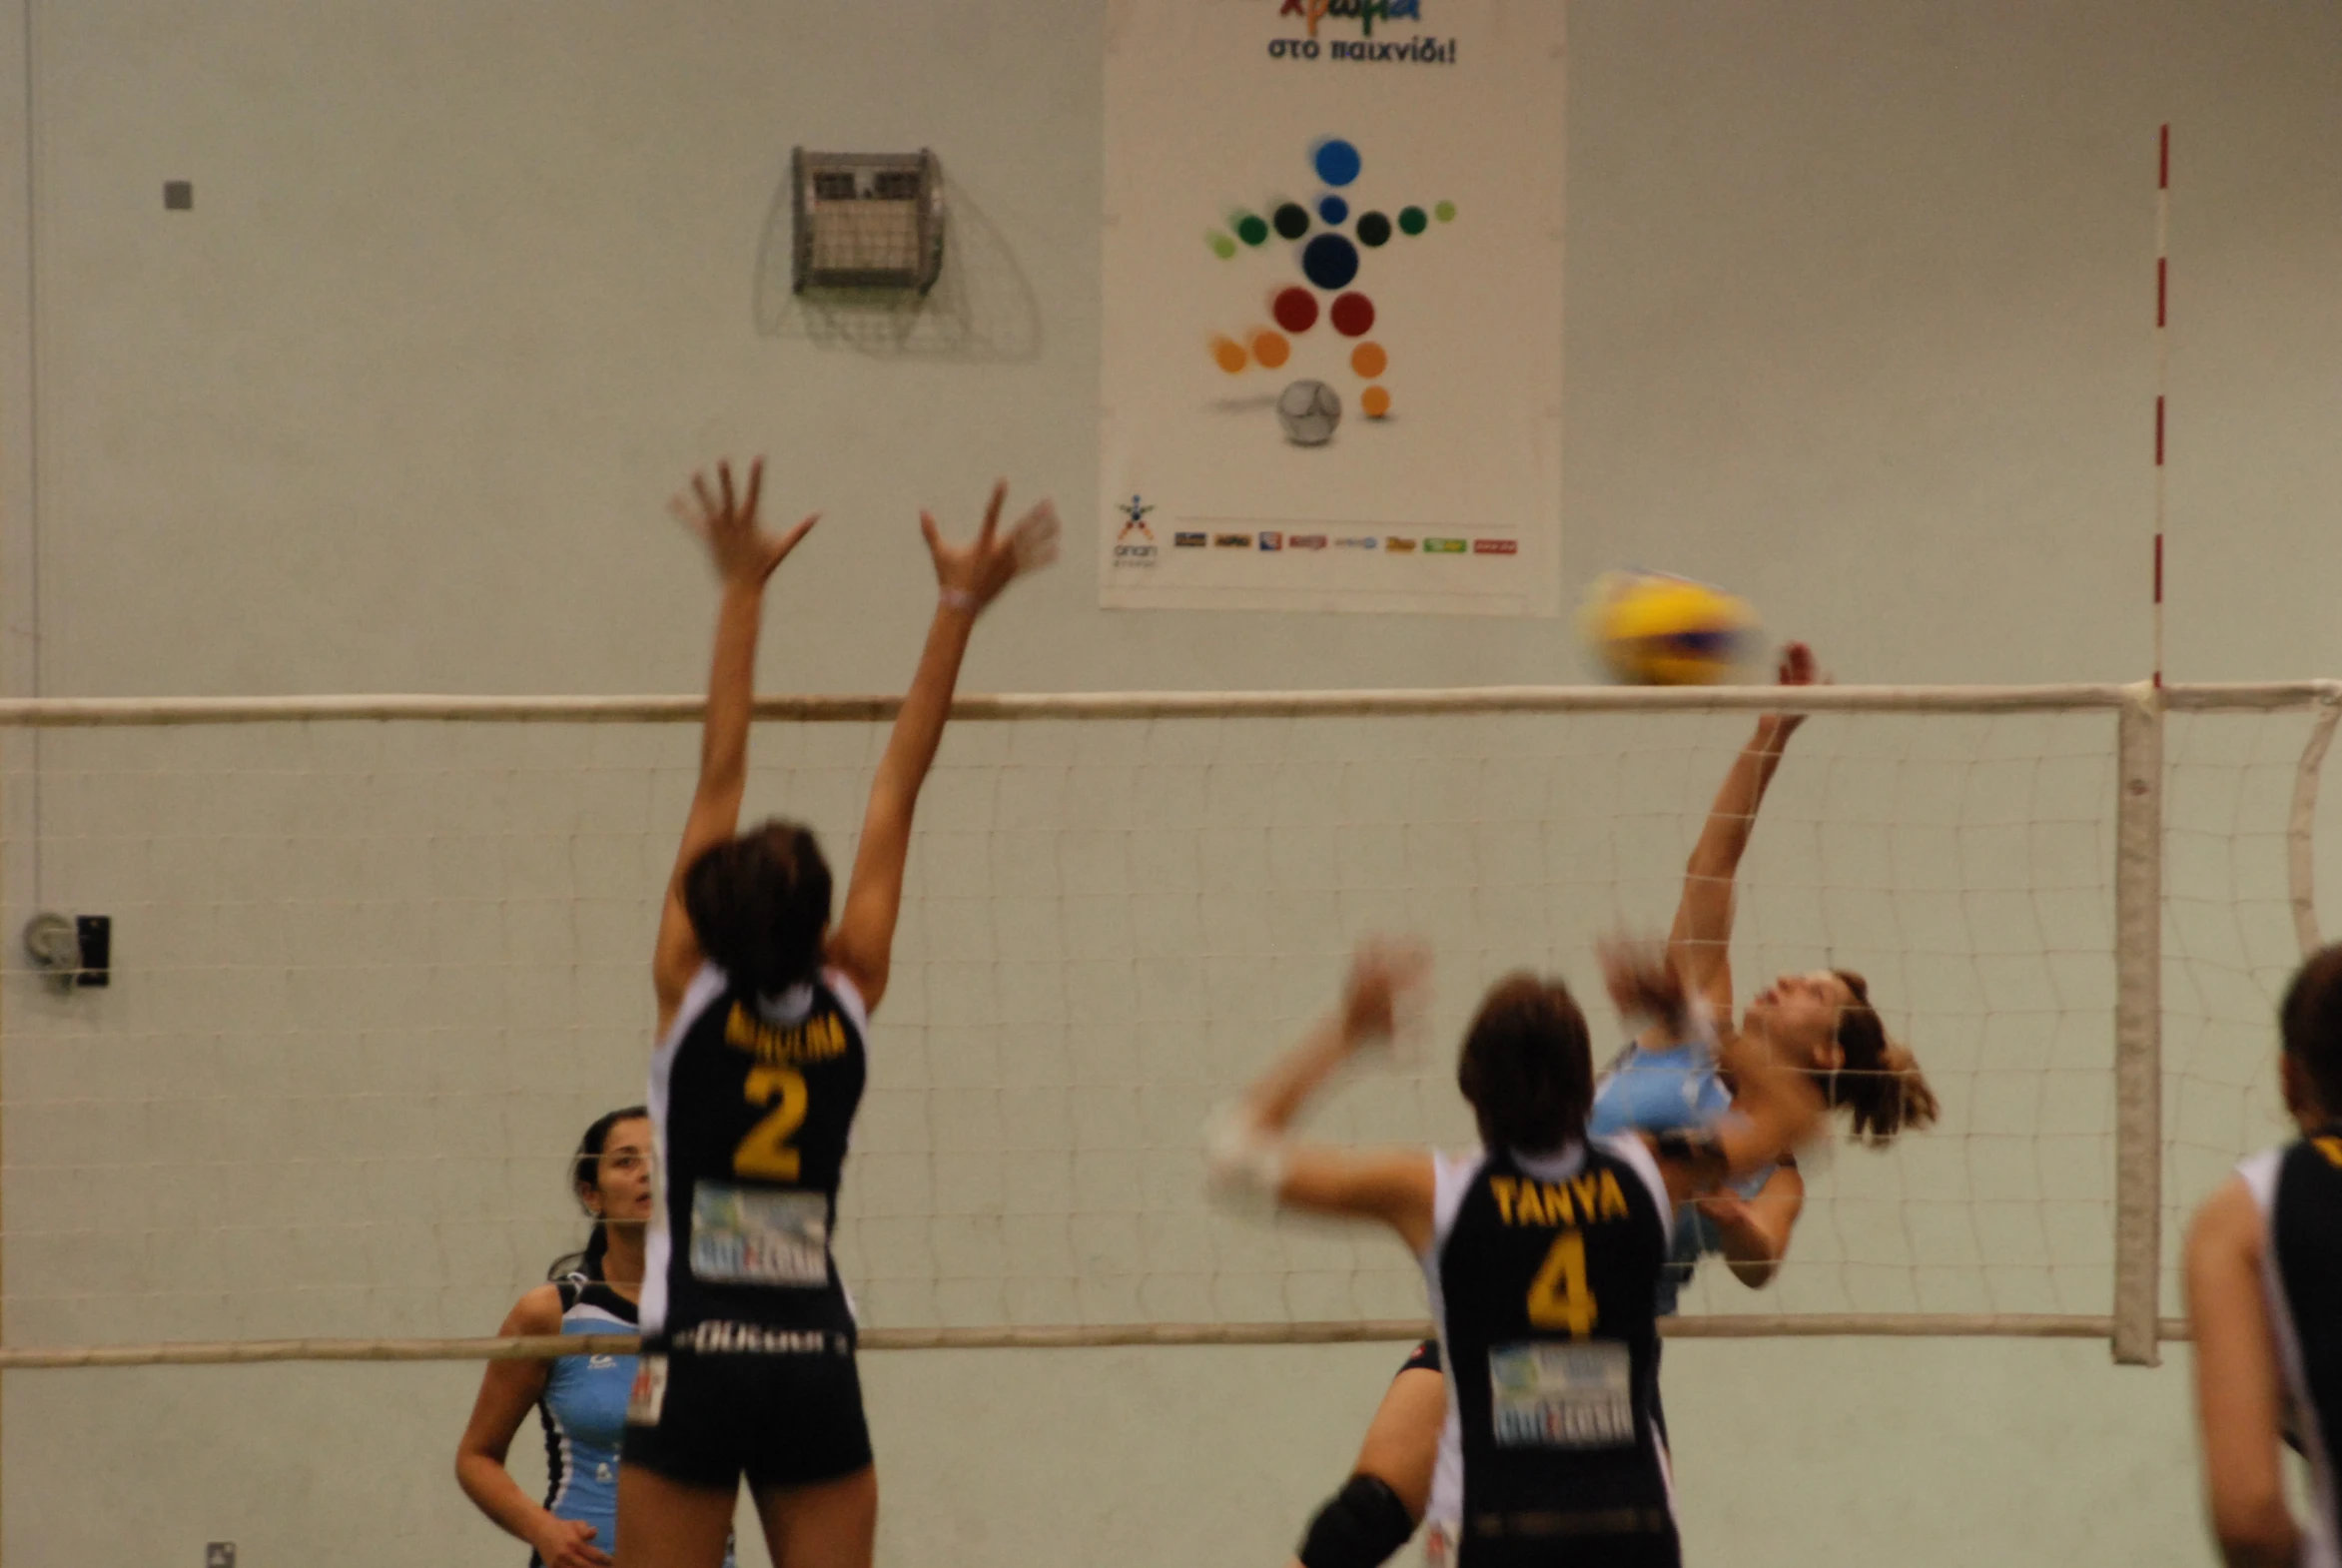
x=744, y=558
x=1700, y=940
x=1247, y=1151
x=970, y=578
x=2238, y=1392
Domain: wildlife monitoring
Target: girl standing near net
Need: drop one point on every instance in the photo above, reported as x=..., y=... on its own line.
x=2264, y=1303
x=1541, y=1250
x=580, y=1400
x=763, y=1010
x=1670, y=1077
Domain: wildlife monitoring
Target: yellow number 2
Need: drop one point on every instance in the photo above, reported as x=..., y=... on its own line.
x=765, y=1152
x=1558, y=1297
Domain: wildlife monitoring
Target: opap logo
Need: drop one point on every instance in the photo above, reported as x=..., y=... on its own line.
x=1138, y=551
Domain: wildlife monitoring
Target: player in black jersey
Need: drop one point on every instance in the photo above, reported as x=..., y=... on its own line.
x=2265, y=1299
x=763, y=1009
x=1542, y=1250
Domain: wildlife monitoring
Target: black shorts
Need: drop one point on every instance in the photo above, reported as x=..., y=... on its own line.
x=780, y=1419
x=1657, y=1549
x=1423, y=1359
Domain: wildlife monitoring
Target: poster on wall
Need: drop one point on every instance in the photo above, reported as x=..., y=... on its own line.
x=1331, y=346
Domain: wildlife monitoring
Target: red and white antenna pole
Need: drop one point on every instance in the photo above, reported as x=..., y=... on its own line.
x=2162, y=363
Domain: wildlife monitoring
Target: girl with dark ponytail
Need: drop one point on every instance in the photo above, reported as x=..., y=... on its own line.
x=585, y=1184
x=580, y=1400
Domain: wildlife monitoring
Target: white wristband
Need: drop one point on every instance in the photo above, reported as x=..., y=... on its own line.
x=1244, y=1161
x=958, y=600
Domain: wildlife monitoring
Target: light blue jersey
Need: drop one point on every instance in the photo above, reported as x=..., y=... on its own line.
x=1670, y=1091
x=584, y=1412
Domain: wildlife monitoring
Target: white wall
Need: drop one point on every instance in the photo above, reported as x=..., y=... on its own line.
x=1857, y=306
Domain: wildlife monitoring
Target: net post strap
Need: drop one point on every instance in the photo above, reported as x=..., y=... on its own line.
x=2138, y=1070
x=2300, y=847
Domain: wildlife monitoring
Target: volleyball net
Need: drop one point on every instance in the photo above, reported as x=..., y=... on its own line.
x=376, y=962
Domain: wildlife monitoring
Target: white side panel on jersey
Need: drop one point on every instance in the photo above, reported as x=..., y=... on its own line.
x=2260, y=1174
x=1453, y=1177
x=706, y=987
x=849, y=996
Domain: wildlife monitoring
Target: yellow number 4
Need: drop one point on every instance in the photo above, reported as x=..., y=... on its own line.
x=1558, y=1297
x=765, y=1152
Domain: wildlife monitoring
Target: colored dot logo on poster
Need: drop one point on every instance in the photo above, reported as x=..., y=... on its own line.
x=1329, y=261
x=1338, y=162
x=1330, y=241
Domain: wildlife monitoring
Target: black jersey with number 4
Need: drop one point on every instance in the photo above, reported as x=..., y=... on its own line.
x=1543, y=1272
x=2298, y=1189
x=752, y=1099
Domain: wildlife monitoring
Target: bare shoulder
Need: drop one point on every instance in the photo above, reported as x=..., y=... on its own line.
x=536, y=1312
x=2226, y=1223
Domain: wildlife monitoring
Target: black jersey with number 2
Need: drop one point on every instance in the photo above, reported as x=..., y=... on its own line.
x=752, y=1099
x=1543, y=1272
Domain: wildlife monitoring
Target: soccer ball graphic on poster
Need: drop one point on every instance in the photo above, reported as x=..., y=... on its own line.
x=1309, y=411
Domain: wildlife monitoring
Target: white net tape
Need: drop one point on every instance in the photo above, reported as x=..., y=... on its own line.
x=373, y=973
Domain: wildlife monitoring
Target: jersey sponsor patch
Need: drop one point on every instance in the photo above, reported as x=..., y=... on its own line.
x=1549, y=1395
x=747, y=1235
x=650, y=1395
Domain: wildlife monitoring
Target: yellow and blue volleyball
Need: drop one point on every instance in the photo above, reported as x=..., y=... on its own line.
x=1649, y=630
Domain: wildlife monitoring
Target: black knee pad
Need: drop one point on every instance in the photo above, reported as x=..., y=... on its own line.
x=1360, y=1526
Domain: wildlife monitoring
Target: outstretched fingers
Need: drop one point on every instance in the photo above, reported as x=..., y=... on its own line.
x=991, y=512
x=789, y=540
x=755, y=488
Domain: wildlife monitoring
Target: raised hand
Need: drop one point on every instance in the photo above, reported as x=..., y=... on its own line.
x=1798, y=668
x=1384, y=990
x=743, y=552
x=972, y=575
x=1643, y=983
